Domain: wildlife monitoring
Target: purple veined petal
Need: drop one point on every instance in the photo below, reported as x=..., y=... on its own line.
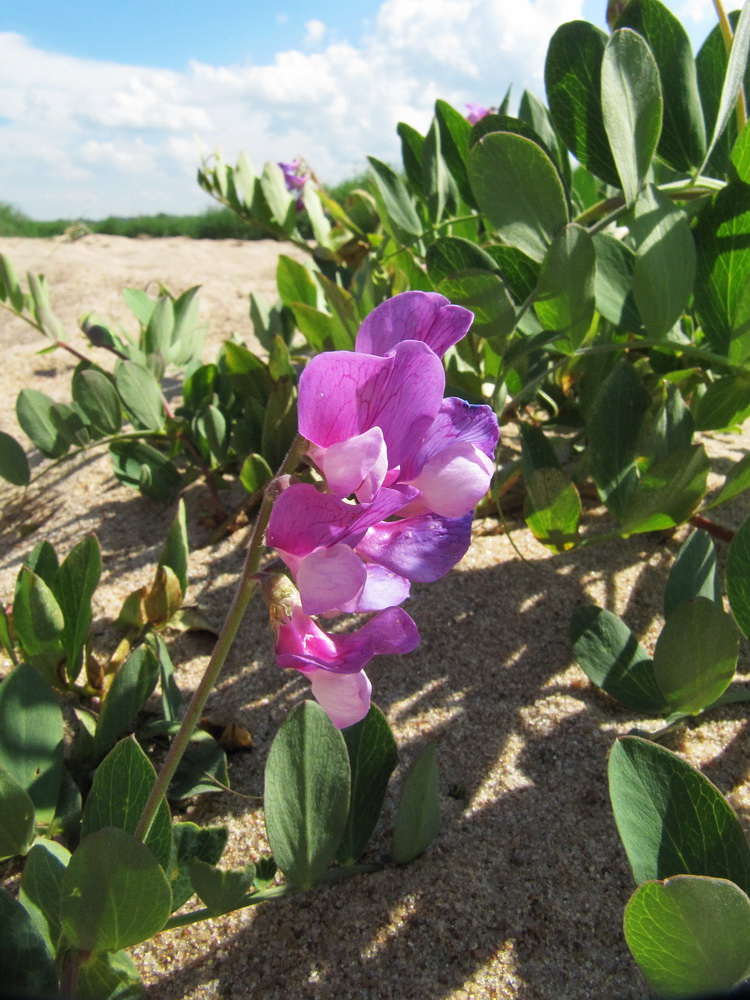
x=343, y=394
x=357, y=465
x=303, y=519
x=382, y=589
x=345, y=698
x=422, y=548
x=454, y=481
x=457, y=420
x=330, y=579
x=424, y=316
x=303, y=645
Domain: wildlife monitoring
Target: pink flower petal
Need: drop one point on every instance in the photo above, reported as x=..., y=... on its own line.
x=345, y=698
x=454, y=481
x=425, y=316
x=330, y=579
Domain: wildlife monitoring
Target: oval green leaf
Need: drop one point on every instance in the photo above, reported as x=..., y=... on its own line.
x=98, y=399
x=690, y=935
x=696, y=655
x=671, y=819
x=14, y=465
x=738, y=577
x=518, y=188
x=418, y=816
x=631, y=107
x=307, y=788
x=114, y=893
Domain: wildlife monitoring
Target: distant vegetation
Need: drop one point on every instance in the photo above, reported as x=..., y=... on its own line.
x=213, y=224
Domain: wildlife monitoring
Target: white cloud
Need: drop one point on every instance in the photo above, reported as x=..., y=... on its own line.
x=83, y=137
x=315, y=31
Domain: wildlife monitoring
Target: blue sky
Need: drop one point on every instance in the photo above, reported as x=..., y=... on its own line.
x=108, y=108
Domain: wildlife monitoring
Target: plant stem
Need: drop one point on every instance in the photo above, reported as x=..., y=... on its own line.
x=728, y=36
x=243, y=594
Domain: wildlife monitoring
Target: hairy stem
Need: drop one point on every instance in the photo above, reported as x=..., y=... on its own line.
x=243, y=594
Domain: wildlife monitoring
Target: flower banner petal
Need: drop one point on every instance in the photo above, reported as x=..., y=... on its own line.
x=425, y=316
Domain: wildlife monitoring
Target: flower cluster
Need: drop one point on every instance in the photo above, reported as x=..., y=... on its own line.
x=402, y=470
x=295, y=178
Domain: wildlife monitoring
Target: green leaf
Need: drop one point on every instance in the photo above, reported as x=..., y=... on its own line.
x=722, y=281
x=255, y=473
x=278, y=199
x=140, y=304
x=552, y=509
x=412, y=145
x=613, y=426
x=454, y=144
x=694, y=573
x=34, y=411
x=98, y=399
x=221, y=891
x=128, y=693
x=319, y=221
x=735, y=74
x=14, y=465
x=662, y=236
x=683, y=138
x=74, y=587
x=307, y=787
x=736, y=482
x=109, y=975
x=279, y=422
x=690, y=935
x=17, y=826
x=738, y=577
x=121, y=787
x=175, y=551
x=157, y=336
x=696, y=655
x=27, y=963
x=518, y=188
x=295, y=283
x=565, y=293
x=448, y=255
x=725, y=404
x=31, y=738
x=631, y=107
x=189, y=842
x=372, y=757
x=741, y=155
x=572, y=77
x=141, y=394
x=203, y=768
x=611, y=656
x=143, y=468
x=671, y=819
x=668, y=492
x=532, y=111
x=9, y=286
x=519, y=272
x=435, y=177
x=418, y=816
x=399, y=208
x=37, y=619
x=41, y=886
x=114, y=893
x=485, y=294
x=188, y=333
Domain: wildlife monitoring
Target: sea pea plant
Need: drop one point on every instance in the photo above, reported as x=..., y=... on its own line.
x=610, y=296
x=393, y=471
x=232, y=418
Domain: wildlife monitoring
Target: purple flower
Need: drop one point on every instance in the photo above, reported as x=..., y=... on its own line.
x=294, y=175
x=402, y=470
x=335, y=662
x=376, y=416
x=475, y=112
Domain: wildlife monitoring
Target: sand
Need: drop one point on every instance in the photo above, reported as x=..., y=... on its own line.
x=522, y=894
